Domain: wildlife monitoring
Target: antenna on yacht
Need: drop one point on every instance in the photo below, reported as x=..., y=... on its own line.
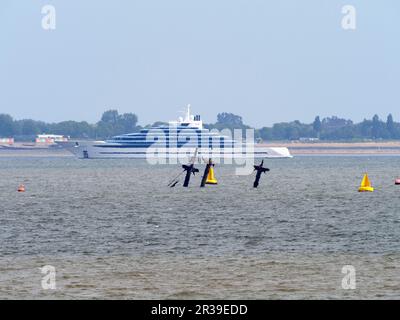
x=188, y=113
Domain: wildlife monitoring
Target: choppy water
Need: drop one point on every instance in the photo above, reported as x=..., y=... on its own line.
x=113, y=229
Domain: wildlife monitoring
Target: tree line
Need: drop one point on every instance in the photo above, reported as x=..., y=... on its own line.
x=112, y=123
x=328, y=129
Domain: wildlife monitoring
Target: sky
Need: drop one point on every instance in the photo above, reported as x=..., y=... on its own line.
x=268, y=61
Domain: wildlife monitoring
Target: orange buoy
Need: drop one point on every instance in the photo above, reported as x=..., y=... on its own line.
x=397, y=181
x=21, y=188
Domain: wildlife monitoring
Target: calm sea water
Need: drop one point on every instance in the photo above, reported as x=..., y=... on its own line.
x=113, y=229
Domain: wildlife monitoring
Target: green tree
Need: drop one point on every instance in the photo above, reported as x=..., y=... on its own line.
x=112, y=124
x=317, y=126
x=265, y=133
x=159, y=123
x=229, y=119
x=375, y=126
x=379, y=130
x=104, y=130
x=7, y=127
x=29, y=127
x=390, y=126
x=128, y=122
x=110, y=116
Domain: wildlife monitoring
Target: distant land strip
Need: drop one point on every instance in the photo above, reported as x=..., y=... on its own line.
x=345, y=148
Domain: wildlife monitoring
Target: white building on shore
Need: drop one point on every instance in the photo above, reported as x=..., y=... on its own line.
x=50, y=139
x=7, y=141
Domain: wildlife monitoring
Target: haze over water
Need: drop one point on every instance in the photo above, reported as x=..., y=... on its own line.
x=113, y=229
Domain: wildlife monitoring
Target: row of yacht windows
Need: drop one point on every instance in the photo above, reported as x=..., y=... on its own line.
x=144, y=144
x=185, y=130
x=173, y=139
x=153, y=139
x=169, y=134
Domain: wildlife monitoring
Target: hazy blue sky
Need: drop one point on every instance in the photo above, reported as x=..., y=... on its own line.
x=268, y=61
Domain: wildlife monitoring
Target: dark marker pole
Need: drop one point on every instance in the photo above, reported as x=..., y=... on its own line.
x=205, y=175
x=260, y=169
x=189, y=170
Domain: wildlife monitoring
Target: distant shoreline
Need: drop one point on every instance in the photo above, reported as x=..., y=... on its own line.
x=28, y=153
x=342, y=148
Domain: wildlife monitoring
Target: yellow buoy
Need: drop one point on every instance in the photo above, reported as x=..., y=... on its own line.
x=210, y=177
x=365, y=185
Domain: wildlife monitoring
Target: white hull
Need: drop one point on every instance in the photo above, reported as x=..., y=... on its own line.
x=96, y=151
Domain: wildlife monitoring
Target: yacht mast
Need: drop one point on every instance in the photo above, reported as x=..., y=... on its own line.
x=188, y=113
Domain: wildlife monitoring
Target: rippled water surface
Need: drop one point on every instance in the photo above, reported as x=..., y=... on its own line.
x=113, y=229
